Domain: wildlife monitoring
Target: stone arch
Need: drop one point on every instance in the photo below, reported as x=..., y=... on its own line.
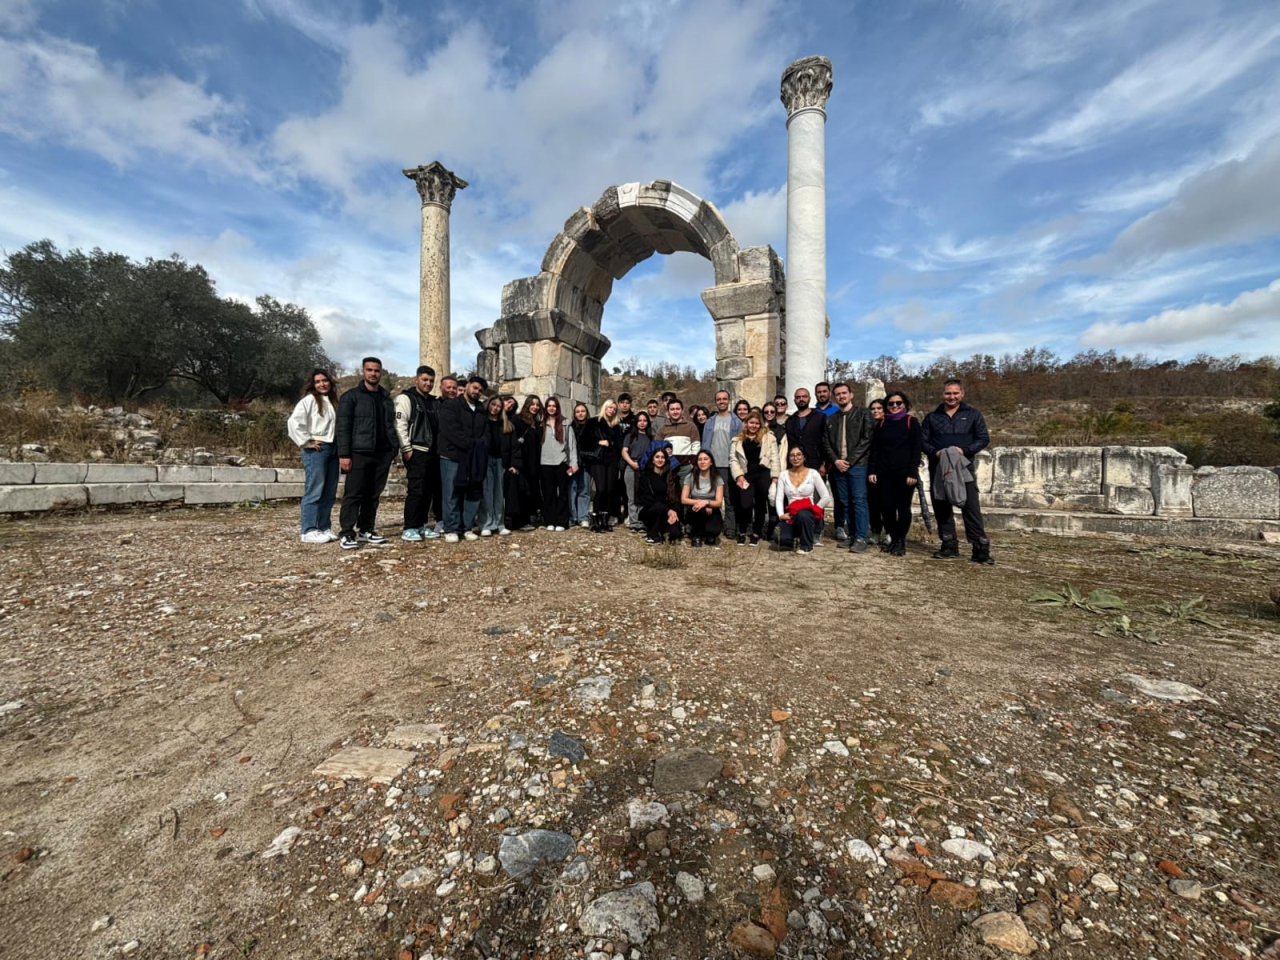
x=548, y=339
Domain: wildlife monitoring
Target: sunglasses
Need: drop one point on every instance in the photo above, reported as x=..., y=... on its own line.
x=895, y=403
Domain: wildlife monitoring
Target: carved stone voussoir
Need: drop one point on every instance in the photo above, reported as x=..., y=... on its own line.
x=436, y=184
x=806, y=83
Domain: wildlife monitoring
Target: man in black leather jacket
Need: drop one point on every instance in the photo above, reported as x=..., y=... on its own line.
x=956, y=424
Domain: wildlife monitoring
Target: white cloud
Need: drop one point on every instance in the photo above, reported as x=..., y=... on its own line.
x=1235, y=202
x=1169, y=80
x=759, y=218
x=603, y=105
x=921, y=352
x=1252, y=312
x=914, y=316
x=53, y=89
x=18, y=15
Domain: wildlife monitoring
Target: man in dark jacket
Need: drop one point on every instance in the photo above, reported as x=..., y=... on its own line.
x=846, y=446
x=463, y=425
x=956, y=424
x=365, y=441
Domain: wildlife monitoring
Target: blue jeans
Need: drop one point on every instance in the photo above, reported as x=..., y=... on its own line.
x=459, y=513
x=320, y=486
x=849, y=489
x=494, y=505
x=579, y=497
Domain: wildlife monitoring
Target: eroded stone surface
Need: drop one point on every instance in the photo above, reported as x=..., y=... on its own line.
x=365, y=763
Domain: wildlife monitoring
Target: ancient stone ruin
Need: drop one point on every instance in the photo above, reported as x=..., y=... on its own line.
x=548, y=339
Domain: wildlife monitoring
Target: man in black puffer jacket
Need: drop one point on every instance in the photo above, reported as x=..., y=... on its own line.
x=956, y=424
x=365, y=439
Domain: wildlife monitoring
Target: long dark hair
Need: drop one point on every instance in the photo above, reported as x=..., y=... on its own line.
x=648, y=425
x=673, y=488
x=711, y=472
x=320, y=397
x=559, y=420
x=526, y=411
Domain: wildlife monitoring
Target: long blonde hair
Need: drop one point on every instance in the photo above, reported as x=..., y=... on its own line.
x=611, y=420
x=764, y=427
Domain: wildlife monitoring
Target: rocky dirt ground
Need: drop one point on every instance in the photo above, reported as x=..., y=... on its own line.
x=567, y=745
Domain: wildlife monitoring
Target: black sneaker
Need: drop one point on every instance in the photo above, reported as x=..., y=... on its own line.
x=742, y=539
x=652, y=540
x=349, y=542
x=950, y=551
x=858, y=546
x=755, y=541
x=695, y=542
x=372, y=537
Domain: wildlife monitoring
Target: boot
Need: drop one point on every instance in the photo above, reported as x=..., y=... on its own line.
x=899, y=548
x=982, y=554
x=950, y=551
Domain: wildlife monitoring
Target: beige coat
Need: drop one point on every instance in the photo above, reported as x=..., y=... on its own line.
x=768, y=456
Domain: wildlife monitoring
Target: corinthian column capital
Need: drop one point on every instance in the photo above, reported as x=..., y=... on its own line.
x=436, y=184
x=806, y=84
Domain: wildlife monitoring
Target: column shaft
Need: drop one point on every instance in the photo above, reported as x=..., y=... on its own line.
x=433, y=298
x=806, y=291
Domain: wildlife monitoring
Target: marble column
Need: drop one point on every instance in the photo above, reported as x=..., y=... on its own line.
x=806, y=84
x=437, y=187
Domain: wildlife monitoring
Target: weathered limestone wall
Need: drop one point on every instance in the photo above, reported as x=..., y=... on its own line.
x=38, y=487
x=1125, y=480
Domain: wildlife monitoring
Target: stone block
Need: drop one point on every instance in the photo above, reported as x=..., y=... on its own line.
x=1086, y=502
x=244, y=475
x=518, y=363
x=1050, y=470
x=1133, y=466
x=486, y=338
x=756, y=263
x=32, y=498
x=104, y=494
x=13, y=473
x=222, y=492
x=60, y=472
x=983, y=469
x=740, y=299
x=1240, y=492
x=120, y=473
x=733, y=368
x=283, y=491
x=731, y=338
x=1019, y=499
x=724, y=261
x=488, y=365
x=569, y=365
x=755, y=390
x=524, y=296
x=180, y=473
x=290, y=475
x=365, y=763
x=1132, y=501
x=1172, y=486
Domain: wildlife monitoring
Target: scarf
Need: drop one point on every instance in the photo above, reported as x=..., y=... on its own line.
x=895, y=416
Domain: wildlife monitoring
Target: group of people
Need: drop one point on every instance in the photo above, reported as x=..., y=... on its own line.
x=484, y=464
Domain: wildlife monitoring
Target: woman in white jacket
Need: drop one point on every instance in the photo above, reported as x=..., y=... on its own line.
x=311, y=427
x=800, y=492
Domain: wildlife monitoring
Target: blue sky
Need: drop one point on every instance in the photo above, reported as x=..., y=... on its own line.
x=1000, y=173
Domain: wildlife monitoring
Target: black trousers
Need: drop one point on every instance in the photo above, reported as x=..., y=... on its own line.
x=705, y=524
x=894, y=498
x=654, y=518
x=604, y=475
x=422, y=489
x=974, y=529
x=805, y=528
x=555, y=495
x=751, y=506
x=875, y=512
x=365, y=482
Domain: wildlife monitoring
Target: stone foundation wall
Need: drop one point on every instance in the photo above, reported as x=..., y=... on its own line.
x=1125, y=481
x=38, y=487
x=1130, y=481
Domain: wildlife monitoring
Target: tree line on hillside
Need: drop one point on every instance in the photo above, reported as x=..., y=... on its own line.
x=1037, y=374
x=108, y=328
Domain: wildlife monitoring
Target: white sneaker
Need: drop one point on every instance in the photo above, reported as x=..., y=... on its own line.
x=314, y=536
x=549, y=527
x=584, y=523
x=329, y=535
x=504, y=532
x=559, y=529
x=469, y=536
x=486, y=532
x=450, y=538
